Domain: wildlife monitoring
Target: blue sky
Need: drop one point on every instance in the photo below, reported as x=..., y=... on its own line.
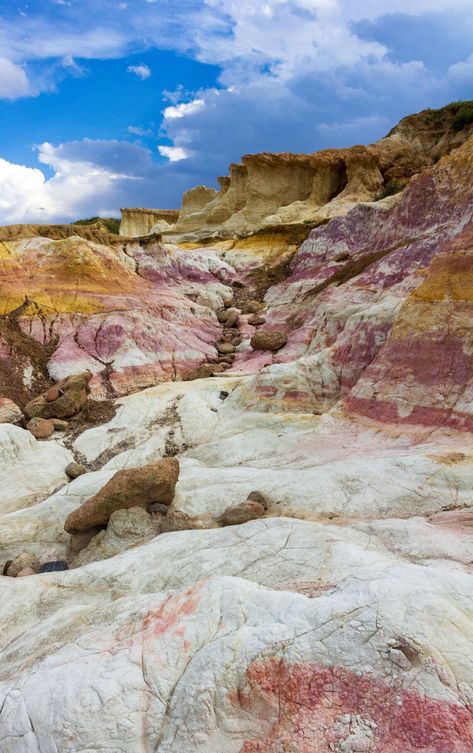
x=107, y=104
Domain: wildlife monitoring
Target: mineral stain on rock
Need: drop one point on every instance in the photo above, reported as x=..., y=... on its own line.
x=317, y=709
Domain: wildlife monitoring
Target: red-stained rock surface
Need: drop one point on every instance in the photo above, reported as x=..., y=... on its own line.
x=319, y=709
x=377, y=309
x=133, y=315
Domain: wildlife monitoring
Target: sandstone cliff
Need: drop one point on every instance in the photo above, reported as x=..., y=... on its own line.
x=273, y=189
x=137, y=222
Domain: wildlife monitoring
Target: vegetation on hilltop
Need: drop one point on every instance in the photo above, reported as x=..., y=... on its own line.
x=112, y=224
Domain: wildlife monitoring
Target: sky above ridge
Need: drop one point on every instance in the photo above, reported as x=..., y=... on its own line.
x=108, y=104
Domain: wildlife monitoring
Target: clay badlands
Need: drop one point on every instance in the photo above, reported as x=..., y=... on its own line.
x=236, y=508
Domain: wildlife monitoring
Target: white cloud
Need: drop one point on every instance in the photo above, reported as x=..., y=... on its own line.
x=138, y=131
x=142, y=71
x=185, y=108
x=173, y=153
x=13, y=80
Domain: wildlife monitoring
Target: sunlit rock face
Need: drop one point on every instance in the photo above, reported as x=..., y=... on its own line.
x=340, y=620
x=268, y=190
x=376, y=309
x=138, y=222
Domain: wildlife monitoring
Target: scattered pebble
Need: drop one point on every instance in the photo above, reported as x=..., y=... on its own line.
x=54, y=566
x=74, y=470
x=41, y=428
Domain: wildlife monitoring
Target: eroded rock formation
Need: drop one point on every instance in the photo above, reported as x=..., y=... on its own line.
x=310, y=588
x=137, y=222
x=268, y=190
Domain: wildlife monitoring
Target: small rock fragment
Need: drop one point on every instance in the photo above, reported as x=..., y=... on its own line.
x=253, y=307
x=54, y=567
x=74, y=470
x=10, y=413
x=259, y=497
x=225, y=348
x=232, y=316
x=25, y=559
x=255, y=320
x=25, y=572
x=130, y=487
x=40, y=428
x=158, y=507
x=237, y=514
x=59, y=424
x=268, y=340
x=175, y=520
x=52, y=394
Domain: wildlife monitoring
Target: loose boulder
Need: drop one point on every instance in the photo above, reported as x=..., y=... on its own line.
x=237, y=514
x=130, y=487
x=24, y=560
x=225, y=348
x=126, y=528
x=175, y=520
x=254, y=307
x=259, y=497
x=10, y=413
x=268, y=340
x=40, y=428
x=255, y=320
x=72, y=396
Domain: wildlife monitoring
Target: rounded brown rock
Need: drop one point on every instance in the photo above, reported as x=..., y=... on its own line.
x=52, y=394
x=268, y=340
x=254, y=307
x=25, y=559
x=74, y=391
x=74, y=470
x=41, y=428
x=129, y=487
x=259, y=497
x=175, y=520
x=225, y=348
x=238, y=514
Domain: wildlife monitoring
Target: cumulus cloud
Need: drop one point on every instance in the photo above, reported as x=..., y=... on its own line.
x=296, y=75
x=185, y=108
x=14, y=82
x=90, y=177
x=142, y=71
x=173, y=153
